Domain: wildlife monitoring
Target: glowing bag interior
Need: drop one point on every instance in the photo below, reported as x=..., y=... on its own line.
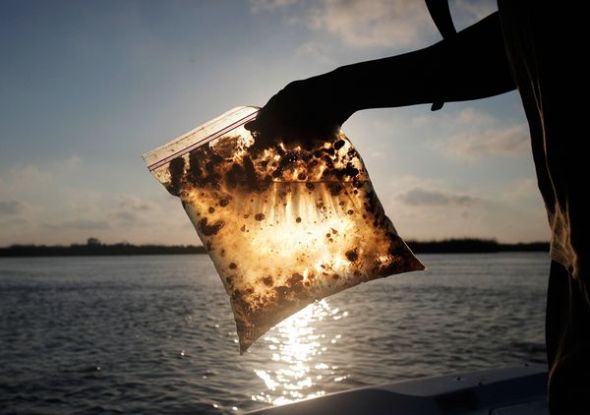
x=283, y=226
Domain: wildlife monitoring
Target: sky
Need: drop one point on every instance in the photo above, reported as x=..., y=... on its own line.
x=86, y=87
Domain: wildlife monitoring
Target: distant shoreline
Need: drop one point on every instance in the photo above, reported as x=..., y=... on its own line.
x=95, y=248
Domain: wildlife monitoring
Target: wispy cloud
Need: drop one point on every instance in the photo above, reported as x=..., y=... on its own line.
x=467, y=12
x=472, y=134
x=12, y=208
x=78, y=224
x=419, y=196
x=523, y=191
x=427, y=208
x=471, y=116
x=41, y=204
x=496, y=141
x=27, y=176
x=315, y=51
x=69, y=163
x=375, y=23
x=257, y=6
x=359, y=23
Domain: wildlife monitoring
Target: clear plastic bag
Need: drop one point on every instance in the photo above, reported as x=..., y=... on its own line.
x=284, y=226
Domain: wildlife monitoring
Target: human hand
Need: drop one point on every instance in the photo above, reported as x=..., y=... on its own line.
x=303, y=112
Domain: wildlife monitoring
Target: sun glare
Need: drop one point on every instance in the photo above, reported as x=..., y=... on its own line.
x=297, y=348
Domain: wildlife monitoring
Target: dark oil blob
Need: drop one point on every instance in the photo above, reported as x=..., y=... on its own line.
x=210, y=229
x=352, y=255
x=298, y=220
x=267, y=281
x=328, y=160
x=195, y=174
x=281, y=293
x=259, y=216
x=238, y=299
x=295, y=282
x=295, y=278
x=286, y=161
x=176, y=169
x=351, y=171
x=250, y=173
x=232, y=265
x=339, y=144
x=335, y=189
x=234, y=175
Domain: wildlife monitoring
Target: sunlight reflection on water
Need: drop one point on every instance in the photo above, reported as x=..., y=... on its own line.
x=133, y=316
x=297, y=347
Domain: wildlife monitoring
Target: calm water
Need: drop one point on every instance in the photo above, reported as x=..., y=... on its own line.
x=156, y=334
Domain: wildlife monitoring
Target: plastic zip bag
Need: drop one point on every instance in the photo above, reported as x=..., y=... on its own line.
x=285, y=225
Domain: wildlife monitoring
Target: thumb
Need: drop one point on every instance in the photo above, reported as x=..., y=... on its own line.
x=251, y=125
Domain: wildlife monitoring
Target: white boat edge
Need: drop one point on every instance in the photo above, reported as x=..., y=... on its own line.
x=504, y=391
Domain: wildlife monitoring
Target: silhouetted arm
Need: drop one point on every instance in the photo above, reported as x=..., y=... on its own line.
x=471, y=65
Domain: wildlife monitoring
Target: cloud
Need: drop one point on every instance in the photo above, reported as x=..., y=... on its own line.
x=522, y=188
x=127, y=202
x=497, y=141
x=433, y=208
x=130, y=211
x=420, y=197
x=359, y=23
x=467, y=117
x=316, y=52
x=257, y=6
x=12, y=208
x=57, y=202
x=27, y=175
x=78, y=224
x=68, y=164
x=472, y=134
x=75, y=214
x=468, y=12
x=472, y=116
x=24, y=177
x=375, y=23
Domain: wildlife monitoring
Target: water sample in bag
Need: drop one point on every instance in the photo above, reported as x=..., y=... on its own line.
x=284, y=225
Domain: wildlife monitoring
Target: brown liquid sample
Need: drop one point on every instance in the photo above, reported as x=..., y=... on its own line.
x=284, y=226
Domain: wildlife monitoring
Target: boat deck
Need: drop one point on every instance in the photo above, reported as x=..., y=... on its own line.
x=506, y=391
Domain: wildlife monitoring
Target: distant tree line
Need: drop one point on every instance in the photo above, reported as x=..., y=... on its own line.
x=95, y=247
x=473, y=245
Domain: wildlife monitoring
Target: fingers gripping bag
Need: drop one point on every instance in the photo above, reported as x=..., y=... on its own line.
x=284, y=225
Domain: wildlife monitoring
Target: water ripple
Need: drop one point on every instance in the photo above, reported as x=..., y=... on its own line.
x=156, y=334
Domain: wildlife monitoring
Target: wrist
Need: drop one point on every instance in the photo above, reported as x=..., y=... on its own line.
x=342, y=87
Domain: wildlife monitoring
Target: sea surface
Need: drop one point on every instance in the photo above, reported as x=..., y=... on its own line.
x=155, y=334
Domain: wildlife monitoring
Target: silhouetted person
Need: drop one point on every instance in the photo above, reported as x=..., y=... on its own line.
x=537, y=47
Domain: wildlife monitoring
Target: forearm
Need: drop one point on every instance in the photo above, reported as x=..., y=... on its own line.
x=470, y=66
